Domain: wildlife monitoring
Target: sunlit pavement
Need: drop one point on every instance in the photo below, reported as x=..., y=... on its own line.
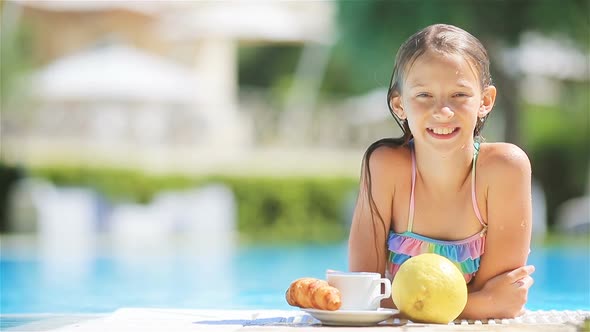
x=144, y=319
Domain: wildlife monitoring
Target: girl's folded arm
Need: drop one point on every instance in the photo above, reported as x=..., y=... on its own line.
x=508, y=236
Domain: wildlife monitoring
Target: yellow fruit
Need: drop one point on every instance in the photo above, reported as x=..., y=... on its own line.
x=429, y=288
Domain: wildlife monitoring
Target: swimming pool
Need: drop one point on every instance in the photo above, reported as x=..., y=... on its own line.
x=245, y=277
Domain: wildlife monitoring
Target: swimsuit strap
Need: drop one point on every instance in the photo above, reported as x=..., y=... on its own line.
x=411, y=216
x=473, y=196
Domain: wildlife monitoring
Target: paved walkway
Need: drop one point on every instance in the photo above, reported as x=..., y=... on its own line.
x=143, y=319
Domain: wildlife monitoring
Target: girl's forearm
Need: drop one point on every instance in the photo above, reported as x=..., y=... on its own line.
x=387, y=303
x=479, y=306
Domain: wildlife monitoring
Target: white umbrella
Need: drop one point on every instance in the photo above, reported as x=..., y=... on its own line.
x=275, y=21
x=544, y=56
x=116, y=73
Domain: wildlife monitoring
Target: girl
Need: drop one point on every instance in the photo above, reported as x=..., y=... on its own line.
x=438, y=188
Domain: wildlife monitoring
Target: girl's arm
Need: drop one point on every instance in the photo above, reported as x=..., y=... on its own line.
x=495, y=301
x=500, y=287
x=366, y=244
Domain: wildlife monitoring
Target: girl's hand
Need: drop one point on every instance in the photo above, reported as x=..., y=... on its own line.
x=508, y=291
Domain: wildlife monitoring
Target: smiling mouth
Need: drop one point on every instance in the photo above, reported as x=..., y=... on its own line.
x=443, y=131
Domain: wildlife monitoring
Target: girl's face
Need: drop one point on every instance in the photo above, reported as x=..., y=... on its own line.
x=442, y=99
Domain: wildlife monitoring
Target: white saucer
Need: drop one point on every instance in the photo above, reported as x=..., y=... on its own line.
x=351, y=317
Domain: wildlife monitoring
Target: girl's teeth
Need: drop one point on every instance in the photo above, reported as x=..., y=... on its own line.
x=443, y=131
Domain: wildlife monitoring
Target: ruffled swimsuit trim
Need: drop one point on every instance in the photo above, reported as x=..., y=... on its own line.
x=465, y=254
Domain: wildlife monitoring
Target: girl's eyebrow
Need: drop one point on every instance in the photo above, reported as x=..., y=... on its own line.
x=464, y=84
x=416, y=85
x=461, y=84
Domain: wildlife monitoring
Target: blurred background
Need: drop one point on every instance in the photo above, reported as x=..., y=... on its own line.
x=155, y=130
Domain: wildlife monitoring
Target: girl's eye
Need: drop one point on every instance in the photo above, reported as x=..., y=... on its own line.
x=460, y=94
x=423, y=94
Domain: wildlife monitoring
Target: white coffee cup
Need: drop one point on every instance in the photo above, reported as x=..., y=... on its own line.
x=359, y=290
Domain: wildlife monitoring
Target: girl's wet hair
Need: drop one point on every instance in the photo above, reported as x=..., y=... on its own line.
x=443, y=39
x=439, y=38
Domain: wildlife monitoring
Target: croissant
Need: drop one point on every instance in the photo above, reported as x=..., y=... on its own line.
x=313, y=293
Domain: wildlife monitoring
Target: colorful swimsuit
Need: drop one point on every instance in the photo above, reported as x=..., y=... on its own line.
x=464, y=253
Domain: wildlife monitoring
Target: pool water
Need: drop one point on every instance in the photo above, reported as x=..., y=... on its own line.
x=249, y=277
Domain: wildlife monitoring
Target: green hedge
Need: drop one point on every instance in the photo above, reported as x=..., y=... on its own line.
x=9, y=176
x=270, y=209
x=557, y=144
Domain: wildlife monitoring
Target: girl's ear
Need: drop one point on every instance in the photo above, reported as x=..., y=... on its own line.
x=487, y=101
x=396, y=105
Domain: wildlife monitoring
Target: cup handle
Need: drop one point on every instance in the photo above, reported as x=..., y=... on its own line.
x=385, y=294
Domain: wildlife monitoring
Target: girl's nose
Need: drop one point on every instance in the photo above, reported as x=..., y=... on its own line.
x=443, y=113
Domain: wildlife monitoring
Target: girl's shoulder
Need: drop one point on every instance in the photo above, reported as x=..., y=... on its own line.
x=386, y=159
x=503, y=160
x=387, y=154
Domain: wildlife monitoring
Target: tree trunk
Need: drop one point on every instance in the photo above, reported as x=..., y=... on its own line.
x=509, y=92
x=508, y=102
